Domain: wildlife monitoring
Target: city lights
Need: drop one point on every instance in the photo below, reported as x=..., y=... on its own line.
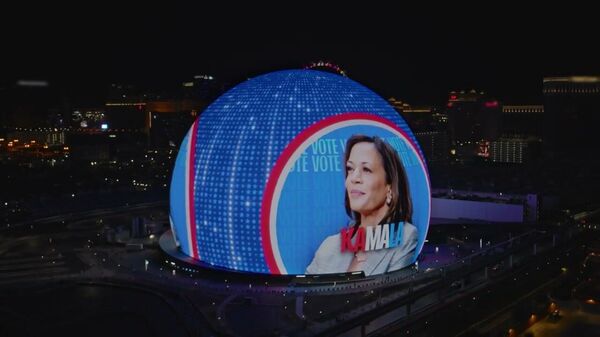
x=226, y=180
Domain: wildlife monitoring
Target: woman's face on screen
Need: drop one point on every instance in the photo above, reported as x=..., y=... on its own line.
x=365, y=179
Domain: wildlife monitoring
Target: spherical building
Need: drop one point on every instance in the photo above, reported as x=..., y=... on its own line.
x=259, y=181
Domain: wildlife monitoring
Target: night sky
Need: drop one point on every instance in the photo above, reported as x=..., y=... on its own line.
x=415, y=56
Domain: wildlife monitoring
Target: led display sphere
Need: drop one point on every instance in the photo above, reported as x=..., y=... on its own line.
x=300, y=172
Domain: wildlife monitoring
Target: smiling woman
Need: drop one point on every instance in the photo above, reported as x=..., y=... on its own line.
x=378, y=201
x=261, y=194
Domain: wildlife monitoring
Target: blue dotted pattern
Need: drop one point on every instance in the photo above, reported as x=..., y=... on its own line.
x=240, y=137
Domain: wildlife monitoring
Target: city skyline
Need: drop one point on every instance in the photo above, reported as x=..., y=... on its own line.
x=142, y=197
x=415, y=58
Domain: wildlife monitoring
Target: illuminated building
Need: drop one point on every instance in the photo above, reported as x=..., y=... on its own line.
x=434, y=145
x=516, y=150
x=88, y=118
x=164, y=118
x=169, y=128
x=572, y=115
x=430, y=128
x=521, y=136
x=419, y=118
x=523, y=120
x=40, y=136
x=398, y=105
x=170, y=119
x=472, y=117
x=125, y=108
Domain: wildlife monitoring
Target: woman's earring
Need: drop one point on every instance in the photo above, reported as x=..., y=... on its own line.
x=388, y=201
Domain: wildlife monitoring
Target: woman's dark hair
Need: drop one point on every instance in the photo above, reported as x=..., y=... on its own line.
x=395, y=176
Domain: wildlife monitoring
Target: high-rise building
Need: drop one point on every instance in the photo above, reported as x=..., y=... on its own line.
x=125, y=108
x=92, y=118
x=521, y=137
x=514, y=150
x=163, y=118
x=440, y=120
x=434, y=145
x=430, y=127
x=169, y=120
x=420, y=119
x=472, y=117
x=398, y=105
x=572, y=116
x=522, y=120
x=39, y=136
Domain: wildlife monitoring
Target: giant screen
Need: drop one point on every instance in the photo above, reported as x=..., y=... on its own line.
x=301, y=172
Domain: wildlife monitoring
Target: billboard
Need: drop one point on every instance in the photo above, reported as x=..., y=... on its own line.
x=301, y=172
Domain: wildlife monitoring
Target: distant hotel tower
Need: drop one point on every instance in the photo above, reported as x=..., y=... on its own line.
x=572, y=116
x=521, y=135
x=473, y=119
x=429, y=126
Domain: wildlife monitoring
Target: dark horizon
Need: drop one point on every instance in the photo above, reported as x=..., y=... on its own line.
x=415, y=58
